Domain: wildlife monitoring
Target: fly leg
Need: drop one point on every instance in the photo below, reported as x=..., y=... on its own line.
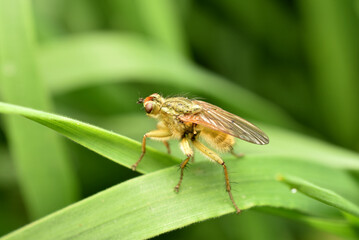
x=186, y=149
x=161, y=126
x=159, y=134
x=167, y=146
x=212, y=155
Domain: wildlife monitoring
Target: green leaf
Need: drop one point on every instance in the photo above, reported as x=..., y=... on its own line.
x=324, y=195
x=36, y=162
x=118, y=148
x=147, y=206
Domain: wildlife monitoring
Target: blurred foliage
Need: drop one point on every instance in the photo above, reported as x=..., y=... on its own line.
x=290, y=66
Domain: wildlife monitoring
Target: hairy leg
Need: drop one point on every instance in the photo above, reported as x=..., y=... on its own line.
x=212, y=155
x=187, y=150
x=167, y=145
x=158, y=134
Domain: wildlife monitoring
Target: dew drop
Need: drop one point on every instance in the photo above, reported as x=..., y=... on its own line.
x=293, y=190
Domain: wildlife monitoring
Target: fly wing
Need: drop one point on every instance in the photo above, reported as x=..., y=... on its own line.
x=218, y=119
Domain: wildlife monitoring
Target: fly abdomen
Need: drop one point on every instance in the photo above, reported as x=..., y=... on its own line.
x=221, y=141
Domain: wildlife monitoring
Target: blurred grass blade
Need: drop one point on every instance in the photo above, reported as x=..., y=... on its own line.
x=113, y=146
x=7, y=172
x=332, y=40
x=341, y=227
x=266, y=21
x=81, y=16
x=46, y=178
x=271, y=227
x=160, y=19
x=100, y=58
x=324, y=195
x=288, y=143
x=147, y=206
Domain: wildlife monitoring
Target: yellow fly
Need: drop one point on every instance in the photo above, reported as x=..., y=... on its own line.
x=187, y=120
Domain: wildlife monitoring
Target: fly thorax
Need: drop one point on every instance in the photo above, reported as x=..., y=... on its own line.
x=178, y=106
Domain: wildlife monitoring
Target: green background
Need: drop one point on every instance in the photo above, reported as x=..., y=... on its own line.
x=291, y=67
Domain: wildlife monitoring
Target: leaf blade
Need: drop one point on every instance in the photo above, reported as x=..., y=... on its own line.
x=104, y=142
x=321, y=194
x=114, y=213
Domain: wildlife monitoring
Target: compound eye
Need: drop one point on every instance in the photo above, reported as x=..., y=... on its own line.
x=148, y=107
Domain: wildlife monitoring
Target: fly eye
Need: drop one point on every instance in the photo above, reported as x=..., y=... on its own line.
x=149, y=107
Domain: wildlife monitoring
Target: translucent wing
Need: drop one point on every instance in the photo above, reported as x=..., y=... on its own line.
x=218, y=119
